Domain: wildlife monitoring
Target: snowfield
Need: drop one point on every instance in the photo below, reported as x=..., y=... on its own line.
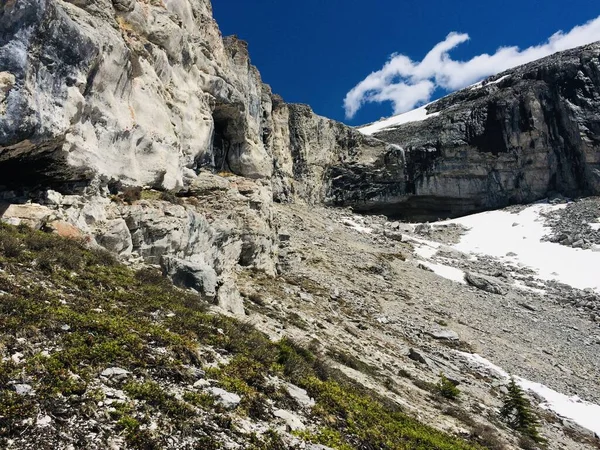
x=516, y=238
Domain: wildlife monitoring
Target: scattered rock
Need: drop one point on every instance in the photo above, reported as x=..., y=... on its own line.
x=292, y=421
x=444, y=334
x=24, y=389
x=416, y=356
x=300, y=395
x=32, y=215
x=64, y=229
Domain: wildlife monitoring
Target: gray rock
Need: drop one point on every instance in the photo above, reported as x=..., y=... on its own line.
x=444, y=334
x=486, y=283
x=115, y=374
x=228, y=400
x=24, y=389
x=393, y=235
x=32, y=215
x=292, y=421
x=114, y=235
x=417, y=356
x=199, y=276
x=300, y=395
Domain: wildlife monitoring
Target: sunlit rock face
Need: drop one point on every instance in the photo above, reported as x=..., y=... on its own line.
x=515, y=138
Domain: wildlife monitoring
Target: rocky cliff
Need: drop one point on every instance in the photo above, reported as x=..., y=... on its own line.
x=100, y=99
x=515, y=138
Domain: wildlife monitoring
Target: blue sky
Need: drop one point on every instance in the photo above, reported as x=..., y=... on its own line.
x=316, y=51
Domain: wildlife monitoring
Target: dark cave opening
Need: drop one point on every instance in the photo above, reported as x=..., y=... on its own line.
x=221, y=145
x=228, y=135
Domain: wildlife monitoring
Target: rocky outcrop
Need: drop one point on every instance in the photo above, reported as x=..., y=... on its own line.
x=514, y=138
x=135, y=91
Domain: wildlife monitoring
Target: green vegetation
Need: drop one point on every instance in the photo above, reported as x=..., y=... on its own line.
x=518, y=414
x=447, y=388
x=67, y=313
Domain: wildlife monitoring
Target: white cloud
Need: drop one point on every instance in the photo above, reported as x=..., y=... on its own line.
x=408, y=84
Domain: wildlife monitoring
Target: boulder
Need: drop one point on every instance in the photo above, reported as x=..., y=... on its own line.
x=187, y=274
x=228, y=400
x=32, y=215
x=444, y=334
x=486, y=283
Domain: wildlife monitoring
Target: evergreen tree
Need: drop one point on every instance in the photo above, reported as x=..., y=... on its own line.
x=447, y=388
x=517, y=412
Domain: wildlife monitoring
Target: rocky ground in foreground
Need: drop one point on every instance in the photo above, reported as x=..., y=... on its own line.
x=98, y=356
x=353, y=284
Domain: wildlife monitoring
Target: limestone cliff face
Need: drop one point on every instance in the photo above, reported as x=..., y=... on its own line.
x=126, y=90
x=515, y=138
x=147, y=93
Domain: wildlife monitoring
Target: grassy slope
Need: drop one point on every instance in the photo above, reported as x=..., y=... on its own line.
x=68, y=313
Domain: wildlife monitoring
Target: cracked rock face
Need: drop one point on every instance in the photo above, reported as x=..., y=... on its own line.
x=127, y=91
x=516, y=138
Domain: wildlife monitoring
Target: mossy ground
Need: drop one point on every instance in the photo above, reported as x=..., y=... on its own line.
x=68, y=312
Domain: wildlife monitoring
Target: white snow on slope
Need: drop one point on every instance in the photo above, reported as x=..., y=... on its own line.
x=497, y=233
x=416, y=115
x=450, y=273
x=480, y=84
x=423, y=248
x=583, y=413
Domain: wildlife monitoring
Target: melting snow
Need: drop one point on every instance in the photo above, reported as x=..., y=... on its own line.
x=447, y=272
x=416, y=115
x=581, y=412
x=425, y=249
x=516, y=238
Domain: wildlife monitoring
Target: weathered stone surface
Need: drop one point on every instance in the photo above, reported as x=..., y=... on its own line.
x=115, y=373
x=485, y=283
x=228, y=400
x=198, y=276
x=292, y=421
x=131, y=91
x=444, y=334
x=64, y=229
x=32, y=215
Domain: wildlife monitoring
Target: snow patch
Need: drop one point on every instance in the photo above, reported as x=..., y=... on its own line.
x=583, y=413
x=481, y=83
x=447, y=272
x=424, y=248
x=595, y=225
x=416, y=115
x=516, y=239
